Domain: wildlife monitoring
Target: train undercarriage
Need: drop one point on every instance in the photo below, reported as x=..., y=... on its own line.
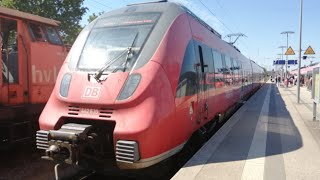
x=18, y=124
x=81, y=143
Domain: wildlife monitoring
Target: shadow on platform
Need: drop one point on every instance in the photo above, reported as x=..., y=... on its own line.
x=282, y=134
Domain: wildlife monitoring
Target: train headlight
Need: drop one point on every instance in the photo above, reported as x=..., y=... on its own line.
x=64, y=86
x=130, y=86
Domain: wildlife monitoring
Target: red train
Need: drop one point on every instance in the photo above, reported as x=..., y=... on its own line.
x=32, y=53
x=138, y=83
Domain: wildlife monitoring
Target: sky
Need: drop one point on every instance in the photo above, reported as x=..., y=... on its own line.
x=260, y=20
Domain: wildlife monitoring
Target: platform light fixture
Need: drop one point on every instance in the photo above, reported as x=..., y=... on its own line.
x=286, y=64
x=282, y=47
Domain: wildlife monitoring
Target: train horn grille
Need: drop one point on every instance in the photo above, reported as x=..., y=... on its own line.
x=105, y=113
x=42, y=139
x=73, y=110
x=127, y=151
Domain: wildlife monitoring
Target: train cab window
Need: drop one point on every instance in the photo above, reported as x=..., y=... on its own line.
x=218, y=69
x=37, y=32
x=187, y=84
x=53, y=36
x=9, y=54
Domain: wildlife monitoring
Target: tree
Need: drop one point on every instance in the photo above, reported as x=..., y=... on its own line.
x=68, y=12
x=94, y=16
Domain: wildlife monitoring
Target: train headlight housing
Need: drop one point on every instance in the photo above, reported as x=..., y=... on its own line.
x=130, y=86
x=64, y=86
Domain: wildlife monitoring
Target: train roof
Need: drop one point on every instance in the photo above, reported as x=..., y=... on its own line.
x=168, y=8
x=27, y=16
x=163, y=6
x=169, y=12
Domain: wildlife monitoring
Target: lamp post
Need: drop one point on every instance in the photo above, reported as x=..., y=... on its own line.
x=281, y=58
x=286, y=62
x=299, y=60
x=282, y=50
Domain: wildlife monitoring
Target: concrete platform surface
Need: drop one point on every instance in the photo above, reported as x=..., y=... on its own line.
x=269, y=137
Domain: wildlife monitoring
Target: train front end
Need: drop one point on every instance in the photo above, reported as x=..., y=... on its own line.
x=112, y=102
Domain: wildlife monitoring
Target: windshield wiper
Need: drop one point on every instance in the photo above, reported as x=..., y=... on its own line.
x=129, y=52
x=107, y=65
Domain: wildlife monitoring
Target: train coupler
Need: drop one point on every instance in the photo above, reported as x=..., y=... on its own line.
x=65, y=145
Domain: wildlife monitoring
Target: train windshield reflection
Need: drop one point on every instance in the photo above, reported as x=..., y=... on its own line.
x=110, y=37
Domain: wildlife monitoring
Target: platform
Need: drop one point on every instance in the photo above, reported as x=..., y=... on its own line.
x=269, y=137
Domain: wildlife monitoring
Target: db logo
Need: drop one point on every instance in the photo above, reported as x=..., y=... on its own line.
x=91, y=92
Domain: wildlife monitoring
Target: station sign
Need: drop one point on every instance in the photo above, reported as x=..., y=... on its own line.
x=282, y=62
x=292, y=61
x=279, y=62
x=309, y=51
x=290, y=51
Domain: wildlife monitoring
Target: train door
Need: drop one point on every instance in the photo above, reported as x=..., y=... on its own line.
x=241, y=81
x=235, y=82
x=10, y=88
x=202, y=90
x=186, y=91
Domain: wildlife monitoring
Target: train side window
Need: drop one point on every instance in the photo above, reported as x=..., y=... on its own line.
x=231, y=66
x=37, y=32
x=249, y=77
x=207, y=58
x=201, y=58
x=218, y=69
x=228, y=71
x=187, y=84
x=240, y=72
x=53, y=36
x=208, y=62
x=236, y=71
x=245, y=78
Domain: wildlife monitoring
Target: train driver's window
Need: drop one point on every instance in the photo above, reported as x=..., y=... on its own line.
x=37, y=32
x=187, y=84
x=218, y=69
x=53, y=36
x=9, y=55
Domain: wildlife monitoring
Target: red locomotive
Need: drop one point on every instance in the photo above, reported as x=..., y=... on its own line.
x=138, y=83
x=31, y=55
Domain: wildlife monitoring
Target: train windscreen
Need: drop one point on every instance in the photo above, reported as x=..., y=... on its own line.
x=114, y=43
